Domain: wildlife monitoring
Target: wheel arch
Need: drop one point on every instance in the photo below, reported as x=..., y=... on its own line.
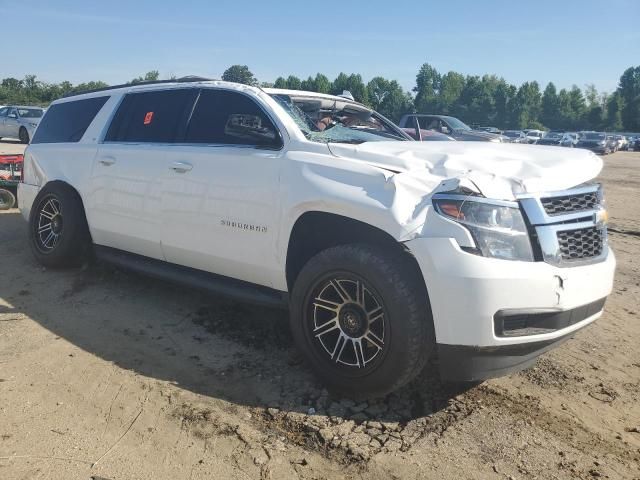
x=316, y=230
x=63, y=184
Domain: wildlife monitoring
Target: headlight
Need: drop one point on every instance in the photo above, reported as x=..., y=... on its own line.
x=498, y=230
x=601, y=142
x=34, y=125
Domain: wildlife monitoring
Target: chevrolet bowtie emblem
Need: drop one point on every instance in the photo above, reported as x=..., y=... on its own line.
x=601, y=217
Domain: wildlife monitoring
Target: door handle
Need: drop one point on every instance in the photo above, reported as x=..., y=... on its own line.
x=107, y=161
x=181, y=167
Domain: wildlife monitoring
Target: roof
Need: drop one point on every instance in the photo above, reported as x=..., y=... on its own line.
x=305, y=93
x=23, y=106
x=157, y=85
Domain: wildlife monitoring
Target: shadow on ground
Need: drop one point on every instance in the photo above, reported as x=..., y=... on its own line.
x=231, y=351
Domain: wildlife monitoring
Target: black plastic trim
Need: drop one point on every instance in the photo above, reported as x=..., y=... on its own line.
x=511, y=323
x=191, y=277
x=462, y=363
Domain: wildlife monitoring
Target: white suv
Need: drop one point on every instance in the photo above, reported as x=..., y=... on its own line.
x=386, y=251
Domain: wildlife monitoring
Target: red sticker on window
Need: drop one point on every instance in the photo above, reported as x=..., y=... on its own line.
x=148, y=117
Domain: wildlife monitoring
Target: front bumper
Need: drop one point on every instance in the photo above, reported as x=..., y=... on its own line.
x=461, y=363
x=469, y=292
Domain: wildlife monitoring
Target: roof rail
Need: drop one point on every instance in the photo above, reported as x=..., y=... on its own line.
x=187, y=79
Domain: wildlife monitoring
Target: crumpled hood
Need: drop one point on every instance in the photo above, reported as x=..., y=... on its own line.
x=496, y=170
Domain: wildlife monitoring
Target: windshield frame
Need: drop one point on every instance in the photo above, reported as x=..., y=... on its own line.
x=311, y=133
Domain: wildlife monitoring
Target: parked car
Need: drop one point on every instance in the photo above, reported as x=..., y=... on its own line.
x=533, y=135
x=422, y=135
x=611, y=140
x=571, y=139
x=493, y=130
x=551, y=138
x=19, y=122
x=386, y=251
x=557, y=139
x=597, y=142
x=515, y=136
x=621, y=142
x=446, y=125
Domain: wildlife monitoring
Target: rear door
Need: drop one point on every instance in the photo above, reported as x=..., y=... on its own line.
x=220, y=195
x=130, y=164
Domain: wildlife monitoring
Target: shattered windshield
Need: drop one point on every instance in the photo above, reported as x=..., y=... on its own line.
x=337, y=124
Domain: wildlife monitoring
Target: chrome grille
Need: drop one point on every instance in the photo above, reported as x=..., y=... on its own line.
x=581, y=243
x=570, y=203
x=569, y=226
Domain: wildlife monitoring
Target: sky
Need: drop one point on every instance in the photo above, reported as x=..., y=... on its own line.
x=567, y=42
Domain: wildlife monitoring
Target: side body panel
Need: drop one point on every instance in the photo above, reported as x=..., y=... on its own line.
x=221, y=215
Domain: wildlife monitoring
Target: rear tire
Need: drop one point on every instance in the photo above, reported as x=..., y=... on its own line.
x=362, y=318
x=7, y=199
x=58, y=231
x=23, y=135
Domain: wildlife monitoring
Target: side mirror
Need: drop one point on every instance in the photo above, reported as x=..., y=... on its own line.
x=12, y=115
x=249, y=127
x=444, y=129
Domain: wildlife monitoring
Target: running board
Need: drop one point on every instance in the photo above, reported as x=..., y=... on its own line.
x=191, y=277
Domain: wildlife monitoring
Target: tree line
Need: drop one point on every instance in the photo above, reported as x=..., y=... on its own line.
x=478, y=100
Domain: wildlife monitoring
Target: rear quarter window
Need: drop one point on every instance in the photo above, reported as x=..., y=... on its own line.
x=66, y=122
x=153, y=117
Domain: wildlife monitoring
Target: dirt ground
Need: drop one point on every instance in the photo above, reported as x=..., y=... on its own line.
x=108, y=375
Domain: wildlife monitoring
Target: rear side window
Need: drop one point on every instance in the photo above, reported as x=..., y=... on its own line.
x=231, y=118
x=66, y=122
x=157, y=117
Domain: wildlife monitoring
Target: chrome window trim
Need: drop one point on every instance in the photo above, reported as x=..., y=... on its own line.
x=201, y=145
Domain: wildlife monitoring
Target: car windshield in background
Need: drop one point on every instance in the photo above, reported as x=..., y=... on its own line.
x=594, y=136
x=456, y=124
x=338, y=125
x=553, y=136
x=511, y=133
x=30, y=112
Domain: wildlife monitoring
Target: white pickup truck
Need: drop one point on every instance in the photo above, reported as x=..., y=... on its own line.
x=385, y=250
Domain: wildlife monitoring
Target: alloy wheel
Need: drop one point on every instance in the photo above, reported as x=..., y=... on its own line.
x=348, y=321
x=50, y=225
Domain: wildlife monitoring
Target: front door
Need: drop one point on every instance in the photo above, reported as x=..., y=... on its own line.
x=220, y=195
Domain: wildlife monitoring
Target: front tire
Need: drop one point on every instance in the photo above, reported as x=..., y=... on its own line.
x=23, y=135
x=58, y=231
x=362, y=318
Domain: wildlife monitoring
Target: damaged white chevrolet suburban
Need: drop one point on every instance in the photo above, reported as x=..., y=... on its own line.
x=386, y=251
